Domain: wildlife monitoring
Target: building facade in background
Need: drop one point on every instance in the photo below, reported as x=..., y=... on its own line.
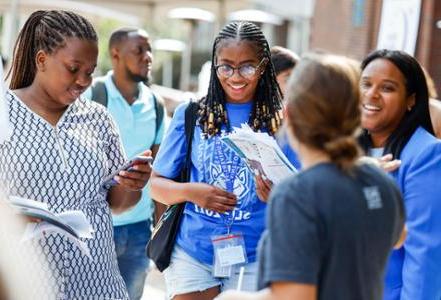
x=289, y=26
x=353, y=28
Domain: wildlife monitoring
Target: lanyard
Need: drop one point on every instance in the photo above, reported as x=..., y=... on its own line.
x=230, y=175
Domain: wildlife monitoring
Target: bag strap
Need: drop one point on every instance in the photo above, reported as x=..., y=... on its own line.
x=190, y=124
x=159, y=112
x=99, y=91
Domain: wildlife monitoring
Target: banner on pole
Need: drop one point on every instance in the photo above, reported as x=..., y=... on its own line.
x=399, y=25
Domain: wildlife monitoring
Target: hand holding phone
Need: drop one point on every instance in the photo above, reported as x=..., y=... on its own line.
x=110, y=181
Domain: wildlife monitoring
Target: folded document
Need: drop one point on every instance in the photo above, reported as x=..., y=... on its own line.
x=72, y=224
x=261, y=153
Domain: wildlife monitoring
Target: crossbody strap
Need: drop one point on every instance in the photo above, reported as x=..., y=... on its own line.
x=99, y=91
x=190, y=124
x=159, y=112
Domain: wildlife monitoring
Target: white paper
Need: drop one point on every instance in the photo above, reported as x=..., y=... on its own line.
x=78, y=220
x=399, y=25
x=221, y=272
x=72, y=224
x=229, y=256
x=42, y=229
x=261, y=153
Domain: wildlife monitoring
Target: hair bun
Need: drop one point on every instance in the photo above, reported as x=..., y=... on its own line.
x=343, y=150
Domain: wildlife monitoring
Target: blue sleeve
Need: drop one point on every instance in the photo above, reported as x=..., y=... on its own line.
x=116, y=155
x=422, y=195
x=291, y=254
x=171, y=154
x=161, y=130
x=290, y=154
x=87, y=94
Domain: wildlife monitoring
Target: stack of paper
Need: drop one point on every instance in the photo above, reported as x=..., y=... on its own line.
x=261, y=153
x=72, y=224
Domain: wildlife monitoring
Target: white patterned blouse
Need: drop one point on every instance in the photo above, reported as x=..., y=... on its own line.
x=63, y=166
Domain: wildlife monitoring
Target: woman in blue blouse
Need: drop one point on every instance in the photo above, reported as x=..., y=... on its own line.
x=396, y=120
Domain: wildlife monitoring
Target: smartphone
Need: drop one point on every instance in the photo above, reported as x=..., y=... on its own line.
x=109, y=181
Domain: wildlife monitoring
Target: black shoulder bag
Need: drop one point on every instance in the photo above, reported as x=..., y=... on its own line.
x=161, y=244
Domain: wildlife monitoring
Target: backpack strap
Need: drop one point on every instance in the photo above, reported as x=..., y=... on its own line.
x=99, y=91
x=159, y=111
x=99, y=95
x=190, y=124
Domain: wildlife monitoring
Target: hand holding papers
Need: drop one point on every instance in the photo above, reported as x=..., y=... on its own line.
x=72, y=224
x=261, y=153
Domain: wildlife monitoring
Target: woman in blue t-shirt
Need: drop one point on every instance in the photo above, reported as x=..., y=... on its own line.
x=223, y=196
x=396, y=120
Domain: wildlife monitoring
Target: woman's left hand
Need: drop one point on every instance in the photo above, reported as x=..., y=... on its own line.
x=263, y=187
x=386, y=162
x=137, y=179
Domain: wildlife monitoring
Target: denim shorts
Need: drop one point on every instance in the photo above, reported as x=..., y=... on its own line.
x=187, y=275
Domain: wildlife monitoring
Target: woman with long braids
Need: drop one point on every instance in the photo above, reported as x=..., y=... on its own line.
x=222, y=195
x=62, y=147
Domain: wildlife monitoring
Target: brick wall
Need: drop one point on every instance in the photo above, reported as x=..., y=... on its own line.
x=333, y=29
x=429, y=41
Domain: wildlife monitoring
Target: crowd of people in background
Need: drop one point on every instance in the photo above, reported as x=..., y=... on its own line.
x=358, y=220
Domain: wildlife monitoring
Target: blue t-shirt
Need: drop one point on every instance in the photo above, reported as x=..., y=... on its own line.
x=282, y=140
x=332, y=229
x=208, y=155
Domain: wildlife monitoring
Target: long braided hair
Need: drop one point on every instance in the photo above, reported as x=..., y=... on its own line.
x=266, y=113
x=47, y=31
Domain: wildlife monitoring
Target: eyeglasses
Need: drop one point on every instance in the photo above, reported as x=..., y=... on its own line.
x=246, y=71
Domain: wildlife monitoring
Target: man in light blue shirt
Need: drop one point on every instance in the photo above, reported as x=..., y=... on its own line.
x=133, y=107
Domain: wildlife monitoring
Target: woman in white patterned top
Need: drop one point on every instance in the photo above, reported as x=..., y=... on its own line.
x=62, y=147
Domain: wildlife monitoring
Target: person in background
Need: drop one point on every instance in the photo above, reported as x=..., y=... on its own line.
x=330, y=228
x=396, y=121
x=222, y=195
x=434, y=105
x=284, y=61
x=135, y=110
x=435, y=115
x=61, y=149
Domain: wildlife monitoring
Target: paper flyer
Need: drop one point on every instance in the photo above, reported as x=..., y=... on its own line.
x=261, y=153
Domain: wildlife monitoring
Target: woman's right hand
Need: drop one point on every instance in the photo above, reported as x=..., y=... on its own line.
x=211, y=197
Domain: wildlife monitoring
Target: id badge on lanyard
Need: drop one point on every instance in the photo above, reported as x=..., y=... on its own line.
x=229, y=251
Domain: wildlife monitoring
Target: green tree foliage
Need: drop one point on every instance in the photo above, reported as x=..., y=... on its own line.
x=104, y=28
